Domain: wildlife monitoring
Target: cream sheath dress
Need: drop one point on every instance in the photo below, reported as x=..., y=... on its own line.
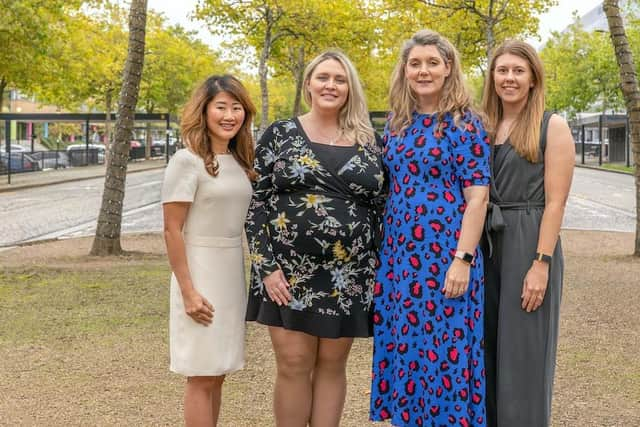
x=213, y=241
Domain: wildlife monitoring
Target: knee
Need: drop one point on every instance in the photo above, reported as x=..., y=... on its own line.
x=294, y=364
x=332, y=362
x=208, y=384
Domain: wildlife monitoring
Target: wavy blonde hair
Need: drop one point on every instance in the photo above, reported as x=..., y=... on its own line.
x=525, y=135
x=195, y=133
x=353, y=118
x=455, y=96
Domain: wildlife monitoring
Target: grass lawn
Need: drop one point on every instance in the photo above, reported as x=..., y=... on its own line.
x=618, y=167
x=84, y=341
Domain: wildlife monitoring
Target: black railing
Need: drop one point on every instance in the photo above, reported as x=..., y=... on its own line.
x=26, y=161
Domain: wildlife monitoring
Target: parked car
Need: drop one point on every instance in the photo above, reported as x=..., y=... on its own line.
x=83, y=154
x=51, y=159
x=157, y=147
x=19, y=162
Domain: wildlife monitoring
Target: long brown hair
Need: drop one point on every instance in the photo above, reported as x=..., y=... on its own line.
x=353, y=118
x=525, y=134
x=194, y=124
x=455, y=95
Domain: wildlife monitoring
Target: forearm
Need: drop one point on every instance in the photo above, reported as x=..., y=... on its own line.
x=177, y=255
x=550, y=227
x=472, y=225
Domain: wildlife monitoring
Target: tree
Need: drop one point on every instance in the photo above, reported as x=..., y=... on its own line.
x=631, y=92
x=107, y=238
x=287, y=33
x=496, y=20
x=474, y=26
x=258, y=21
x=174, y=62
x=26, y=38
x=581, y=75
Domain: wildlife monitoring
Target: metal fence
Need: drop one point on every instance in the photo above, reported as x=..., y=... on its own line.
x=27, y=161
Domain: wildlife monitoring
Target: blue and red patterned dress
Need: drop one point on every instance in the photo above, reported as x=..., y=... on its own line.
x=428, y=365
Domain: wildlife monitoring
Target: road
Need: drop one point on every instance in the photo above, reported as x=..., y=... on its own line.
x=598, y=201
x=71, y=209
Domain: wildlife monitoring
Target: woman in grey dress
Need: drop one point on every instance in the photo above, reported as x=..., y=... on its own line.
x=532, y=167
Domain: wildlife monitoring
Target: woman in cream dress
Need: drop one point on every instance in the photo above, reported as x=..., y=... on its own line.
x=205, y=196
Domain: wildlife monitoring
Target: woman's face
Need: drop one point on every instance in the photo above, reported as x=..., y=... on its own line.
x=426, y=71
x=225, y=115
x=513, y=79
x=328, y=86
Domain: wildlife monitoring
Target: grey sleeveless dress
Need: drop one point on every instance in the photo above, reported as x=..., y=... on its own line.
x=520, y=347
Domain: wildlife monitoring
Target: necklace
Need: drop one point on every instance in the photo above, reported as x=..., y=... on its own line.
x=314, y=135
x=333, y=141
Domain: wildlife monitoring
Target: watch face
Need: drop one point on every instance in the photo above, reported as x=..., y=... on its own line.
x=465, y=256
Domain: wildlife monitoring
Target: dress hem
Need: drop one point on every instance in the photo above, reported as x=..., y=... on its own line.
x=321, y=326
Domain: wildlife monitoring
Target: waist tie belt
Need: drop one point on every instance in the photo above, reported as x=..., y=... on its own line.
x=213, y=241
x=495, y=219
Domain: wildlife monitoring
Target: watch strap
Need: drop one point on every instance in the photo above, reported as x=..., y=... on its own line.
x=543, y=257
x=464, y=256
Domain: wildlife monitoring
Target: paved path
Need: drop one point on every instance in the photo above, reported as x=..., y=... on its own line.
x=599, y=201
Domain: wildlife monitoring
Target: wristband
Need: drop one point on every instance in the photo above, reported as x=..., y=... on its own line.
x=464, y=256
x=543, y=257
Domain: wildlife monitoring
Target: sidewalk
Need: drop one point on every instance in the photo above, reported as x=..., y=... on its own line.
x=25, y=180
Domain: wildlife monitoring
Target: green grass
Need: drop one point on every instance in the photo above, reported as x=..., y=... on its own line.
x=51, y=305
x=84, y=341
x=617, y=167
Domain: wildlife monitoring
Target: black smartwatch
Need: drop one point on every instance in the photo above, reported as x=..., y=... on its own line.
x=543, y=257
x=464, y=256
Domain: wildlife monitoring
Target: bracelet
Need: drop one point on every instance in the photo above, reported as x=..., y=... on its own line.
x=543, y=257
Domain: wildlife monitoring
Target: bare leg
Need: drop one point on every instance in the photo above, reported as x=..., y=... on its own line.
x=330, y=381
x=295, y=358
x=202, y=396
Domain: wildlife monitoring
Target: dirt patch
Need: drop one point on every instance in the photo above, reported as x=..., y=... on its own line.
x=73, y=253
x=84, y=340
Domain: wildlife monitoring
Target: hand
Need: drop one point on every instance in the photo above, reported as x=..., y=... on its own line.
x=277, y=287
x=198, y=308
x=456, y=280
x=535, y=286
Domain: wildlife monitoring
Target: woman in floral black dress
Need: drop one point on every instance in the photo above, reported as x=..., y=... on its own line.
x=312, y=227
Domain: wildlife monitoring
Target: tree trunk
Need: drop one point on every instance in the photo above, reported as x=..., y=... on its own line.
x=107, y=239
x=631, y=93
x=3, y=84
x=107, y=125
x=263, y=72
x=299, y=74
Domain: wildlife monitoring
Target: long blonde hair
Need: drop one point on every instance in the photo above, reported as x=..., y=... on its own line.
x=353, y=118
x=403, y=101
x=194, y=124
x=525, y=134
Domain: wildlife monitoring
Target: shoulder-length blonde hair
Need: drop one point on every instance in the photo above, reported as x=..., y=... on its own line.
x=194, y=129
x=525, y=134
x=353, y=118
x=455, y=96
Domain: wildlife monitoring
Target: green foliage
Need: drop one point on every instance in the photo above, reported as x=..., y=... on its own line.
x=28, y=33
x=581, y=72
x=475, y=27
x=175, y=61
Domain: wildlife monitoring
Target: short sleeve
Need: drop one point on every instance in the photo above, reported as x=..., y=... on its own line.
x=472, y=151
x=180, y=178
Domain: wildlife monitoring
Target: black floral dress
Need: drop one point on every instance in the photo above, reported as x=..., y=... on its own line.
x=315, y=214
